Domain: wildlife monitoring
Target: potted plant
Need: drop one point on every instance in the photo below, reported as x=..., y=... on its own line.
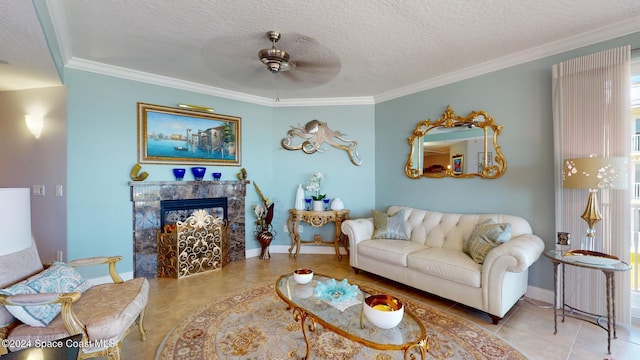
x=264, y=215
x=314, y=186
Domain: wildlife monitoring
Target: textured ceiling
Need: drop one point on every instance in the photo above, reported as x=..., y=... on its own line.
x=25, y=61
x=344, y=49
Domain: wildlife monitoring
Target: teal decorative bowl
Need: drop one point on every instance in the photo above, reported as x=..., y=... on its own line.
x=336, y=291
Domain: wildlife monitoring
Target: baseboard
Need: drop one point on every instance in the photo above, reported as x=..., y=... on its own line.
x=306, y=249
x=539, y=294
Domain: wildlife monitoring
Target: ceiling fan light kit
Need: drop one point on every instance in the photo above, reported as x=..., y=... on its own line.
x=276, y=60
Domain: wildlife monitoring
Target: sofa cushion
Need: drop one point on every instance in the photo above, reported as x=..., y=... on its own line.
x=447, y=264
x=388, y=251
x=58, y=278
x=484, y=238
x=388, y=226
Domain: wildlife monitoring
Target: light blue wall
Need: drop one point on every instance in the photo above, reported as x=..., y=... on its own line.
x=518, y=98
x=102, y=148
x=354, y=185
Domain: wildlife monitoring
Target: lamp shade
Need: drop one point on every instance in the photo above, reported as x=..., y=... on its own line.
x=596, y=173
x=15, y=212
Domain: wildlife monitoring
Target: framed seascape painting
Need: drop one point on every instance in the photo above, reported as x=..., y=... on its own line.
x=168, y=135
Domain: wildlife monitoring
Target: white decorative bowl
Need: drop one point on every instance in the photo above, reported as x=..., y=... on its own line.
x=384, y=311
x=302, y=276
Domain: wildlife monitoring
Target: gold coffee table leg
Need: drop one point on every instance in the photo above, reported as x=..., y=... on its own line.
x=300, y=315
x=422, y=345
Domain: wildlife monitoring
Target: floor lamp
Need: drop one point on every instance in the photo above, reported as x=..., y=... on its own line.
x=594, y=173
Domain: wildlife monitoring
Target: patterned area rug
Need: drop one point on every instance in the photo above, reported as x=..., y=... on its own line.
x=254, y=324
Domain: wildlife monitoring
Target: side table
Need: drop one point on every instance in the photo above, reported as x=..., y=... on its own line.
x=317, y=219
x=557, y=258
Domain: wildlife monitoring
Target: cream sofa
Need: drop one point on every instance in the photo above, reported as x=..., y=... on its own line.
x=433, y=260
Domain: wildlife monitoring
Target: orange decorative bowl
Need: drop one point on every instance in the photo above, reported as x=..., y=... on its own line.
x=384, y=311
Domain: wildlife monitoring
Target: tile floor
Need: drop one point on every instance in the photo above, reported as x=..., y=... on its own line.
x=528, y=326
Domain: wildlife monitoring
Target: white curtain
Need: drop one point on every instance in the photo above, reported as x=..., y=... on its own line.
x=591, y=115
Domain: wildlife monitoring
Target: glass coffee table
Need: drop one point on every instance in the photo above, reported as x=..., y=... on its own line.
x=347, y=319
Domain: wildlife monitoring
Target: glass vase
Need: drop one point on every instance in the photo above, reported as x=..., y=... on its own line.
x=325, y=203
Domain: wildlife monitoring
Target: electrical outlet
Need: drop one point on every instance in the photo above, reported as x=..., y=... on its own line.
x=286, y=229
x=37, y=190
x=58, y=190
x=300, y=228
x=564, y=238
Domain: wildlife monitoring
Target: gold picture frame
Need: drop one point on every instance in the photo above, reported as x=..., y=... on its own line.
x=168, y=135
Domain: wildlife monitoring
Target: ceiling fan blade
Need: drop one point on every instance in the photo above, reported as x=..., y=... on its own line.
x=303, y=80
x=234, y=58
x=328, y=70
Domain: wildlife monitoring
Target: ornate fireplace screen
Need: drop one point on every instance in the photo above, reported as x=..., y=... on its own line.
x=191, y=246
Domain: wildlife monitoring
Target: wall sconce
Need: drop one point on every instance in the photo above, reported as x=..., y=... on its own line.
x=34, y=124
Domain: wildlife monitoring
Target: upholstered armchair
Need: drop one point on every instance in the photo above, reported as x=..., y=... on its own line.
x=41, y=304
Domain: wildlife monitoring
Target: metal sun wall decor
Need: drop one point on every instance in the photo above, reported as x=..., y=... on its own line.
x=315, y=133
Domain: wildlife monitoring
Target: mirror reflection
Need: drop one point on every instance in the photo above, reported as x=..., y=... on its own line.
x=456, y=146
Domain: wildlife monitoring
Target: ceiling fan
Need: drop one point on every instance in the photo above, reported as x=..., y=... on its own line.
x=298, y=61
x=276, y=60
x=314, y=63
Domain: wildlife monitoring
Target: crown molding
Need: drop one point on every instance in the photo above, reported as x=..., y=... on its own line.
x=362, y=100
x=563, y=45
x=589, y=38
x=60, y=29
x=149, y=78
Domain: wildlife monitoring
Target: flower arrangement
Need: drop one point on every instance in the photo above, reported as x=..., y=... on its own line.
x=264, y=210
x=314, y=185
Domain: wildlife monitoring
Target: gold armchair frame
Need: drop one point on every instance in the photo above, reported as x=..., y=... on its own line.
x=72, y=324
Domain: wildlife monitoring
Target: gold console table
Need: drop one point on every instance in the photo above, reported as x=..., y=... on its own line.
x=317, y=219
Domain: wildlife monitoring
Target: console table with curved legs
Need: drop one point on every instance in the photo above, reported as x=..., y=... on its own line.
x=564, y=309
x=317, y=219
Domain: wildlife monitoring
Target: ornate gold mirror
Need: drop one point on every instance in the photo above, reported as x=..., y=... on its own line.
x=456, y=146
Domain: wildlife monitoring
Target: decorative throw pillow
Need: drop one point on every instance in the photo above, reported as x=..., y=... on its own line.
x=484, y=238
x=388, y=227
x=58, y=278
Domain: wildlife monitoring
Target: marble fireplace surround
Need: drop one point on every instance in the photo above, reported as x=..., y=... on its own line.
x=146, y=198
